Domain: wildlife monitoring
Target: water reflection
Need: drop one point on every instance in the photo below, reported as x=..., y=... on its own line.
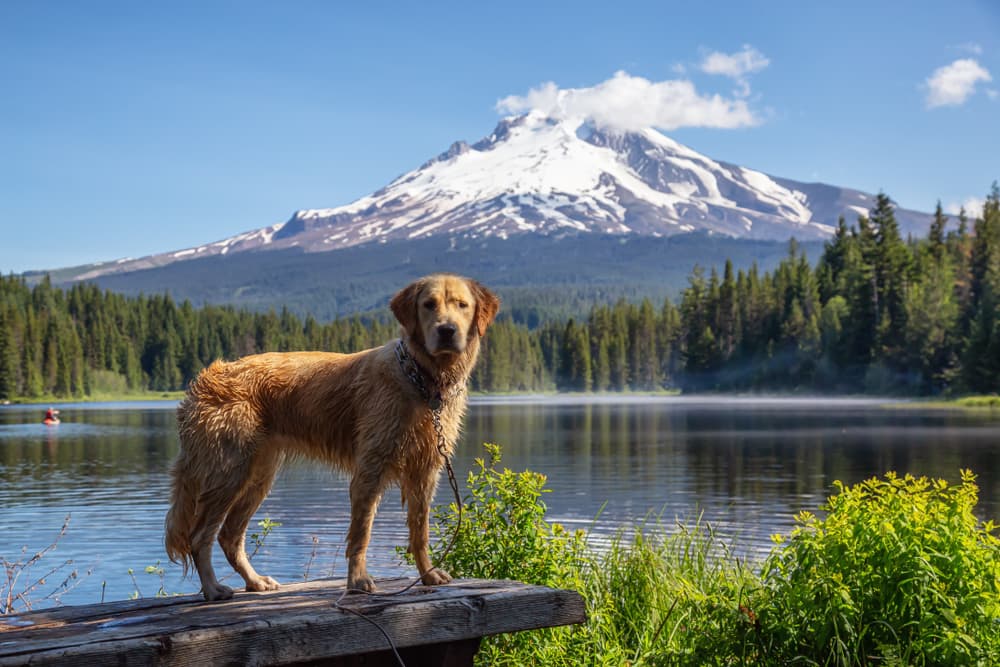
x=743, y=463
x=747, y=465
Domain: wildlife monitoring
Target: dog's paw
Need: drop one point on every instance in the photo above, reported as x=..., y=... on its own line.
x=261, y=584
x=435, y=577
x=364, y=583
x=217, y=591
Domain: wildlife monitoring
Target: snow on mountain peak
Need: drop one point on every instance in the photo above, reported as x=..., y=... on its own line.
x=544, y=175
x=534, y=173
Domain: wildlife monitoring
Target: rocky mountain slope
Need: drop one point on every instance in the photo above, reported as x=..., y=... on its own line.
x=539, y=177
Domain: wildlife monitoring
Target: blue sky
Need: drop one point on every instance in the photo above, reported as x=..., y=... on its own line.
x=133, y=128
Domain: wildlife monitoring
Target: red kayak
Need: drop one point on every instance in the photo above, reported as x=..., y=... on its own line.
x=51, y=417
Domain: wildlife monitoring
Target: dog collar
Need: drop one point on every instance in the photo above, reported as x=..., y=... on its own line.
x=434, y=394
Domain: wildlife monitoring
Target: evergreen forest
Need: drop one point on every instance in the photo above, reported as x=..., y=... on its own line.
x=876, y=313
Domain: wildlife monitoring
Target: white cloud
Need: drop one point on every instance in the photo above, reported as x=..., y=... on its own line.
x=628, y=102
x=735, y=65
x=970, y=47
x=953, y=84
x=973, y=207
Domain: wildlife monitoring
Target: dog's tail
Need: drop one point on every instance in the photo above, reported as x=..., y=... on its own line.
x=180, y=518
x=183, y=499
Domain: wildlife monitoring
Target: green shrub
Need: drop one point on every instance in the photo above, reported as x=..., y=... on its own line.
x=992, y=401
x=503, y=533
x=106, y=383
x=650, y=600
x=899, y=572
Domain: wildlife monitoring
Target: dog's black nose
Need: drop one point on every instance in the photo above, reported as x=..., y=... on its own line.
x=446, y=331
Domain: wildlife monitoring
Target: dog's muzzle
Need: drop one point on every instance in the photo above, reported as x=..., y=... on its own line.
x=447, y=337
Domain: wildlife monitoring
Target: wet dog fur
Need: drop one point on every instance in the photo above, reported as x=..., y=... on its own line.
x=359, y=413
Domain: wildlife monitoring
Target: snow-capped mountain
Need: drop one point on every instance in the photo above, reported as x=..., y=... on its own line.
x=536, y=175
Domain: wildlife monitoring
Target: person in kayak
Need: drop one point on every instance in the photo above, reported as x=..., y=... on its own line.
x=51, y=416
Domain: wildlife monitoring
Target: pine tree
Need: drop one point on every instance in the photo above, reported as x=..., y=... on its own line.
x=618, y=347
x=576, y=372
x=932, y=314
x=700, y=344
x=985, y=248
x=959, y=245
x=50, y=372
x=583, y=375
x=646, y=365
x=727, y=323
x=936, y=235
x=862, y=293
x=8, y=356
x=981, y=356
x=618, y=354
x=832, y=325
x=891, y=269
x=602, y=366
x=667, y=331
x=830, y=270
x=31, y=363
x=752, y=315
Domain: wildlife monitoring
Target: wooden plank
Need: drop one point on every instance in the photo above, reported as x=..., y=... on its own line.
x=296, y=623
x=452, y=654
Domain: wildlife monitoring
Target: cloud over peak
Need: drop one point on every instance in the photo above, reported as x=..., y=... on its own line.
x=953, y=84
x=627, y=102
x=735, y=65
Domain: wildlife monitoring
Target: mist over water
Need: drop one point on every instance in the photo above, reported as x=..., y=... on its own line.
x=746, y=465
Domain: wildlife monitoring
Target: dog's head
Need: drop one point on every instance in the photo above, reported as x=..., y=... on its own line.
x=443, y=312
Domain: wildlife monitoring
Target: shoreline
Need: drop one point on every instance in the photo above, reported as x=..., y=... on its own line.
x=972, y=402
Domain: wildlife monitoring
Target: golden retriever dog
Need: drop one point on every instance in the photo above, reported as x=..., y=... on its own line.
x=369, y=414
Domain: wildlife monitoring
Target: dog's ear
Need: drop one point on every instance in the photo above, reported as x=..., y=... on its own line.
x=404, y=306
x=487, y=305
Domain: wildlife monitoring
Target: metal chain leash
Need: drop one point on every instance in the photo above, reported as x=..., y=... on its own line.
x=435, y=402
x=442, y=448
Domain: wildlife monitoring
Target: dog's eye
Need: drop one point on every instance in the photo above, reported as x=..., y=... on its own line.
x=430, y=304
x=463, y=305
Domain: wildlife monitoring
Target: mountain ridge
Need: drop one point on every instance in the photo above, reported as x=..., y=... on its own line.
x=537, y=176
x=536, y=277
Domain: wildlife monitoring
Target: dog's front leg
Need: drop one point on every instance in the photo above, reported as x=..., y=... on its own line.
x=366, y=489
x=418, y=499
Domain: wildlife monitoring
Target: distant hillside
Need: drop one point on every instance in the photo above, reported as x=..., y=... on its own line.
x=536, y=276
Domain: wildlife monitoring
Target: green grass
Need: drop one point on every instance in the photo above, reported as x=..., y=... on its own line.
x=989, y=402
x=979, y=402
x=100, y=397
x=898, y=572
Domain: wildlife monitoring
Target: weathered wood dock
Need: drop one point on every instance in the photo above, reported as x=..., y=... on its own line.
x=297, y=624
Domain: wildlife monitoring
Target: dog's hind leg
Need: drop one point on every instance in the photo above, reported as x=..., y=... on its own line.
x=214, y=505
x=232, y=537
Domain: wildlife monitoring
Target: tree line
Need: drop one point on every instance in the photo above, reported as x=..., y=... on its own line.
x=81, y=341
x=877, y=313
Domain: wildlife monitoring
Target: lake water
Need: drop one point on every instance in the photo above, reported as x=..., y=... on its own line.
x=746, y=465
